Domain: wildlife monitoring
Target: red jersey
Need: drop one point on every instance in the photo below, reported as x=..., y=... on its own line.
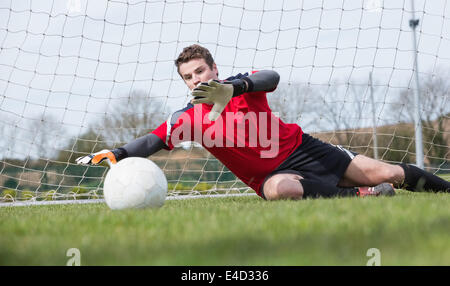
x=247, y=138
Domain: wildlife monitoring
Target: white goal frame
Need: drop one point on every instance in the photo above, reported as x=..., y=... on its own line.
x=78, y=76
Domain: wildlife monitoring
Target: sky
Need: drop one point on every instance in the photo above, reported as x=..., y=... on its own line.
x=73, y=60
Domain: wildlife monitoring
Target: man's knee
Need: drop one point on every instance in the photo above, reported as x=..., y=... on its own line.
x=283, y=186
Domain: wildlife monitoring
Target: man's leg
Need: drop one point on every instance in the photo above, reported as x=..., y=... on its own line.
x=417, y=179
x=293, y=186
x=365, y=171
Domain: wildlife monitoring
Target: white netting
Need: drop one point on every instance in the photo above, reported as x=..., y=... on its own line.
x=77, y=76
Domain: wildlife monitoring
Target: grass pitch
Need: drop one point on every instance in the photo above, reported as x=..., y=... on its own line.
x=408, y=229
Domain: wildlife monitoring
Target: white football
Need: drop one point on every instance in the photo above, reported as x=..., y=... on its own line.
x=135, y=183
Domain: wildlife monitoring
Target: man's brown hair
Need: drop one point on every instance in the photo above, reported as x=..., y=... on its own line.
x=194, y=52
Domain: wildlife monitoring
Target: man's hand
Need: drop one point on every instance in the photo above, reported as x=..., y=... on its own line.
x=215, y=93
x=97, y=158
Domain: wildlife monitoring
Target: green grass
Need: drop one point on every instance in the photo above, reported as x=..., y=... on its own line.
x=408, y=229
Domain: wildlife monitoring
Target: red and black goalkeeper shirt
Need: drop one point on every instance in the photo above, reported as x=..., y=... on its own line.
x=247, y=138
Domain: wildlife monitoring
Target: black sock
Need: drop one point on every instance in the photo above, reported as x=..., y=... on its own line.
x=316, y=189
x=417, y=180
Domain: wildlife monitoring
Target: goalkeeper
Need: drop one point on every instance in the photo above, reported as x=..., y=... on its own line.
x=289, y=164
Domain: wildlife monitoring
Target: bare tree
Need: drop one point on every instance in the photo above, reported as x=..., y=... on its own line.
x=131, y=117
x=340, y=109
x=294, y=103
x=36, y=137
x=435, y=111
x=6, y=140
x=434, y=99
x=88, y=142
x=46, y=135
x=126, y=119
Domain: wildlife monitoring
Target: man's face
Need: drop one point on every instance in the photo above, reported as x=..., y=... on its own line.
x=196, y=71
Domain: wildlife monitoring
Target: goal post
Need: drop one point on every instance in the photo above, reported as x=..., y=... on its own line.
x=79, y=76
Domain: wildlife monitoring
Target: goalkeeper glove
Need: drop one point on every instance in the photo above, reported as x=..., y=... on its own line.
x=218, y=93
x=94, y=159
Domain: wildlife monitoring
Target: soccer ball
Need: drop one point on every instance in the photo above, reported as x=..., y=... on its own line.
x=135, y=183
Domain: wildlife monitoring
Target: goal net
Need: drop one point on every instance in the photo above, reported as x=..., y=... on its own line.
x=79, y=76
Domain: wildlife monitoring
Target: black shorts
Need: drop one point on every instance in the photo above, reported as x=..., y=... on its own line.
x=315, y=160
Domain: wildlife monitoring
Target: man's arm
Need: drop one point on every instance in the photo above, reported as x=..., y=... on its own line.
x=220, y=93
x=142, y=147
x=265, y=80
